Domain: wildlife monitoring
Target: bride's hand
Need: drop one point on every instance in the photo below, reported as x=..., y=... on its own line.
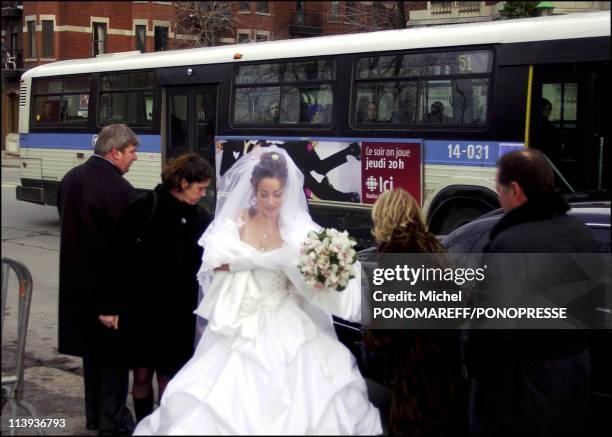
x=222, y=268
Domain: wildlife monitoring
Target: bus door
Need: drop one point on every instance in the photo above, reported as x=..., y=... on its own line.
x=568, y=121
x=191, y=124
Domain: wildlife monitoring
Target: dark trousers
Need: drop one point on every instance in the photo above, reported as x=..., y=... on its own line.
x=106, y=390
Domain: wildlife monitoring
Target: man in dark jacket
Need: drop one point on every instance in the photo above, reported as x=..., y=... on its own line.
x=91, y=197
x=529, y=382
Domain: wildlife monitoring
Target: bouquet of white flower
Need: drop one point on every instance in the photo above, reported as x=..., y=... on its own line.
x=327, y=258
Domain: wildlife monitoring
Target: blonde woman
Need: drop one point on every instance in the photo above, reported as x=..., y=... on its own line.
x=399, y=227
x=424, y=366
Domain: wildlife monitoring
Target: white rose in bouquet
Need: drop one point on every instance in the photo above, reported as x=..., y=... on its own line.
x=327, y=259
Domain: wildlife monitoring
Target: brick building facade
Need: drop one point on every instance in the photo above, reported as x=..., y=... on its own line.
x=57, y=30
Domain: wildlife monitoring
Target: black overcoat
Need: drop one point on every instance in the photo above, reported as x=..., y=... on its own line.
x=91, y=198
x=159, y=322
x=531, y=382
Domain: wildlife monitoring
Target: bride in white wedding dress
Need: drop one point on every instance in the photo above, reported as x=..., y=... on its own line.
x=268, y=361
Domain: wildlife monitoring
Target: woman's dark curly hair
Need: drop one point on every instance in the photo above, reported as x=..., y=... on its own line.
x=190, y=167
x=270, y=165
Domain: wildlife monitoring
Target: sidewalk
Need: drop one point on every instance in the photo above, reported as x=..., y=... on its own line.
x=9, y=160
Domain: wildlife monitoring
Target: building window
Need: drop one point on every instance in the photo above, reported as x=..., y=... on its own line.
x=263, y=7
x=47, y=34
x=350, y=8
x=243, y=38
x=262, y=37
x=161, y=38
x=333, y=11
x=31, y=39
x=140, y=35
x=99, y=38
x=14, y=41
x=245, y=6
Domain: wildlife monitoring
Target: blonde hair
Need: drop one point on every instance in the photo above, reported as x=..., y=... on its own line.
x=396, y=217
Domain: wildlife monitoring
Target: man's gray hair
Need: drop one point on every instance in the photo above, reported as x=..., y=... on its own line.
x=115, y=136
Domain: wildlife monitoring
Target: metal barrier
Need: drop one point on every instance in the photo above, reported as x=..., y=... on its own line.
x=12, y=385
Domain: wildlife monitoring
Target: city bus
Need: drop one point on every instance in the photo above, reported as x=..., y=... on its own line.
x=426, y=109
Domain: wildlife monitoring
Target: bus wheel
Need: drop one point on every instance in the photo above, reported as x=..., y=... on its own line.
x=458, y=216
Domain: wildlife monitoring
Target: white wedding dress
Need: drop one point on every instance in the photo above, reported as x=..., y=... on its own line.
x=269, y=361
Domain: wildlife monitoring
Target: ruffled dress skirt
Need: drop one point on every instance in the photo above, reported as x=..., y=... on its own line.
x=267, y=363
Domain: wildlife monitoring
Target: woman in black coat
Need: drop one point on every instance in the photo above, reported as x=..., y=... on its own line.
x=163, y=229
x=422, y=366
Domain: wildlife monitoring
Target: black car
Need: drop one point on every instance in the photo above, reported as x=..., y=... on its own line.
x=473, y=236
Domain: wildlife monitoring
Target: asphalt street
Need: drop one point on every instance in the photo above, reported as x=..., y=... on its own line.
x=53, y=382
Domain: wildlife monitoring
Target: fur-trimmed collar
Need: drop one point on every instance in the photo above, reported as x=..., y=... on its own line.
x=540, y=207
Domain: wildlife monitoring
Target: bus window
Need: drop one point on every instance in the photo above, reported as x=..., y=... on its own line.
x=316, y=104
x=112, y=108
x=61, y=101
x=436, y=102
x=457, y=101
x=308, y=71
x=251, y=74
x=127, y=98
x=75, y=107
x=47, y=109
x=563, y=98
x=179, y=121
x=386, y=102
x=140, y=107
x=205, y=121
x=389, y=87
x=284, y=93
x=254, y=105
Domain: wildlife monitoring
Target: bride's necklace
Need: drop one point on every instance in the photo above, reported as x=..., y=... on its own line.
x=264, y=243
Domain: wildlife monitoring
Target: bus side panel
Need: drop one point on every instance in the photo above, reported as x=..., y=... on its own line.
x=46, y=158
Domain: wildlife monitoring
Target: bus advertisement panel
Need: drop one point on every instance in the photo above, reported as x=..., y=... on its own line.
x=391, y=165
x=339, y=169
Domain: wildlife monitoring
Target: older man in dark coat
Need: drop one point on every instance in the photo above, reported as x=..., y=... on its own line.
x=91, y=197
x=527, y=382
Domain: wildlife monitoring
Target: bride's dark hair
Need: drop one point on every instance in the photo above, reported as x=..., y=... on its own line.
x=270, y=165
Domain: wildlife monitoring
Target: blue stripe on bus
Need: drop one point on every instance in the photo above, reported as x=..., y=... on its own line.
x=470, y=153
x=446, y=152
x=443, y=152
x=72, y=141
